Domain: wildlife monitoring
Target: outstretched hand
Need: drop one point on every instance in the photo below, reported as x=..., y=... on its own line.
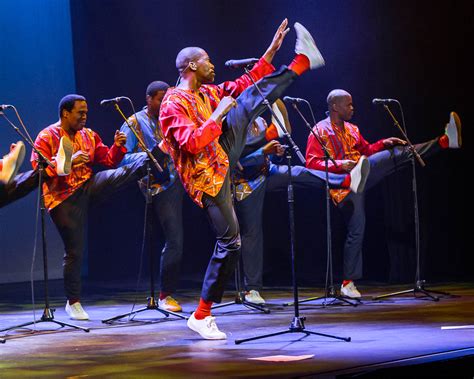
x=278, y=38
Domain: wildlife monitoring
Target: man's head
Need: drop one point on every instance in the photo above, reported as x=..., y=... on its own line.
x=195, y=61
x=73, y=111
x=154, y=95
x=340, y=104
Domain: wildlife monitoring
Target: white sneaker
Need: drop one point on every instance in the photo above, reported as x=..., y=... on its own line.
x=63, y=157
x=169, y=304
x=453, y=131
x=350, y=290
x=207, y=328
x=359, y=175
x=305, y=45
x=12, y=162
x=254, y=297
x=76, y=312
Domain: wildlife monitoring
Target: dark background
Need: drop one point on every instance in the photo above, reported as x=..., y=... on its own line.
x=416, y=52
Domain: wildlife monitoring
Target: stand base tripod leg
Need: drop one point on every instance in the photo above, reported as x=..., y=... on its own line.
x=47, y=317
x=338, y=298
x=292, y=329
x=414, y=291
x=163, y=311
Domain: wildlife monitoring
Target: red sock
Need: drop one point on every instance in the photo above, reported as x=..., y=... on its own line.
x=346, y=282
x=299, y=64
x=163, y=295
x=1, y=165
x=73, y=301
x=443, y=141
x=203, y=310
x=347, y=182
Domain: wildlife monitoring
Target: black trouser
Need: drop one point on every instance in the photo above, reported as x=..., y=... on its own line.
x=20, y=186
x=352, y=207
x=250, y=213
x=71, y=215
x=220, y=209
x=168, y=207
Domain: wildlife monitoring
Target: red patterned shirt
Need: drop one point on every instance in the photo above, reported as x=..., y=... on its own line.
x=343, y=144
x=192, y=138
x=56, y=188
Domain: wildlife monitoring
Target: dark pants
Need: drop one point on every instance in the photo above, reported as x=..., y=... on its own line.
x=250, y=213
x=352, y=207
x=70, y=216
x=168, y=208
x=20, y=186
x=220, y=209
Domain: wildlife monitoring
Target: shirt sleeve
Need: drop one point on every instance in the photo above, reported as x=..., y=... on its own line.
x=109, y=157
x=236, y=87
x=253, y=159
x=315, y=156
x=44, y=145
x=176, y=122
x=368, y=149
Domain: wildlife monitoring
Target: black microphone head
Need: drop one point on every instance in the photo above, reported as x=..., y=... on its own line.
x=237, y=63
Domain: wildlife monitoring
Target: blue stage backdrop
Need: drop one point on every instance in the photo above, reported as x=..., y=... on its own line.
x=413, y=51
x=36, y=69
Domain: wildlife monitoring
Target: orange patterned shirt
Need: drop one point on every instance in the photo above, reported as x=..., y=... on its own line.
x=192, y=139
x=56, y=188
x=341, y=144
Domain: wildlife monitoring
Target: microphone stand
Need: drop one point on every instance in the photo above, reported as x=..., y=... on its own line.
x=329, y=290
x=297, y=324
x=152, y=304
x=43, y=162
x=419, y=287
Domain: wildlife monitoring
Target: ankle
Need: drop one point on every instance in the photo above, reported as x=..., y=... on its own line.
x=164, y=295
x=73, y=301
x=299, y=64
x=203, y=310
x=346, y=282
x=444, y=141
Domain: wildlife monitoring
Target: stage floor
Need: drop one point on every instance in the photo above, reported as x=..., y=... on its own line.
x=395, y=332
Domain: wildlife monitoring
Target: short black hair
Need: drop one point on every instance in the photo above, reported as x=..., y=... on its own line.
x=155, y=87
x=68, y=101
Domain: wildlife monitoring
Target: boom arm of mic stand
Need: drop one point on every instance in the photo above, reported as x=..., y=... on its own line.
x=318, y=138
x=140, y=141
x=285, y=132
x=412, y=148
x=28, y=140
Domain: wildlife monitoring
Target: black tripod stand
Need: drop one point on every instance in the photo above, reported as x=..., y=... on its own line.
x=419, y=287
x=43, y=162
x=152, y=304
x=297, y=324
x=329, y=289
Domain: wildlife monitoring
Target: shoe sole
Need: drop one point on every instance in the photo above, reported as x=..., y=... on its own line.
x=454, y=116
x=364, y=174
x=66, y=146
x=302, y=33
x=18, y=155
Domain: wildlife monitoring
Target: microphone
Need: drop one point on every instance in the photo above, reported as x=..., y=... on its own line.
x=110, y=101
x=238, y=63
x=383, y=101
x=5, y=106
x=288, y=99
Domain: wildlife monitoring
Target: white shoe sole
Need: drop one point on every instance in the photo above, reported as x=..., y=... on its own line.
x=63, y=158
x=17, y=155
x=305, y=45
